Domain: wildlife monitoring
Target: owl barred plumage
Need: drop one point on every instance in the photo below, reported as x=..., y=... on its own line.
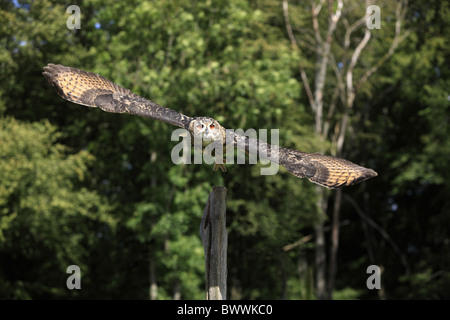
x=327, y=171
x=93, y=90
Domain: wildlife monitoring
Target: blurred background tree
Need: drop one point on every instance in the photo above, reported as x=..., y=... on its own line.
x=81, y=186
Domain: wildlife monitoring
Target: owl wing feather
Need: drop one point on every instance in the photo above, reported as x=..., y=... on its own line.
x=326, y=171
x=330, y=172
x=93, y=90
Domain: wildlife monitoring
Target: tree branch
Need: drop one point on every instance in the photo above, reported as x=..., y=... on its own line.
x=295, y=46
x=323, y=53
x=380, y=230
x=315, y=10
x=400, y=13
x=353, y=61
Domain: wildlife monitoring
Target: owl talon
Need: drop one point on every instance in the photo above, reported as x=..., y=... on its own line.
x=221, y=166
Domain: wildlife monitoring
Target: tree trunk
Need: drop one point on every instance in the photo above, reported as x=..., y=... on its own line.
x=153, y=284
x=332, y=267
x=320, y=252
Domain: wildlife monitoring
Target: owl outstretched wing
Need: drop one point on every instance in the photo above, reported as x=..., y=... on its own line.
x=326, y=171
x=93, y=90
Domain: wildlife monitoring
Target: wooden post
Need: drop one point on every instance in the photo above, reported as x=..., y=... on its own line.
x=213, y=231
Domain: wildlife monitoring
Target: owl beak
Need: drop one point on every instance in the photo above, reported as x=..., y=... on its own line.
x=207, y=135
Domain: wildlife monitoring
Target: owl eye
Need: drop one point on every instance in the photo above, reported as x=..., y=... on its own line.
x=212, y=126
x=199, y=126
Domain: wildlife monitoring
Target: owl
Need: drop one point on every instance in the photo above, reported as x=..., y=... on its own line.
x=93, y=90
x=208, y=131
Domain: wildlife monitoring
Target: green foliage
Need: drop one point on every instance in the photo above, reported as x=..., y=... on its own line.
x=45, y=214
x=81, y=186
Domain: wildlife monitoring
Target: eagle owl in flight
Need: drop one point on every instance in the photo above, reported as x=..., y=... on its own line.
x=93, y=90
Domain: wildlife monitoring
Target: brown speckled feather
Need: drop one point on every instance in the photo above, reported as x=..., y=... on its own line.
x=330, y=172
x=327, y=171
x=93, y=90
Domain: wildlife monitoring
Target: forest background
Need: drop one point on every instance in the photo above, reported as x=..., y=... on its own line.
x=83, y=187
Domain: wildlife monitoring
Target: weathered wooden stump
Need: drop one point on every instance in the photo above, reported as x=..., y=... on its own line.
x=214, y=235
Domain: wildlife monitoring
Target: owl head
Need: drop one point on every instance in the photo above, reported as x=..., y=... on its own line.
x=207, y=128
